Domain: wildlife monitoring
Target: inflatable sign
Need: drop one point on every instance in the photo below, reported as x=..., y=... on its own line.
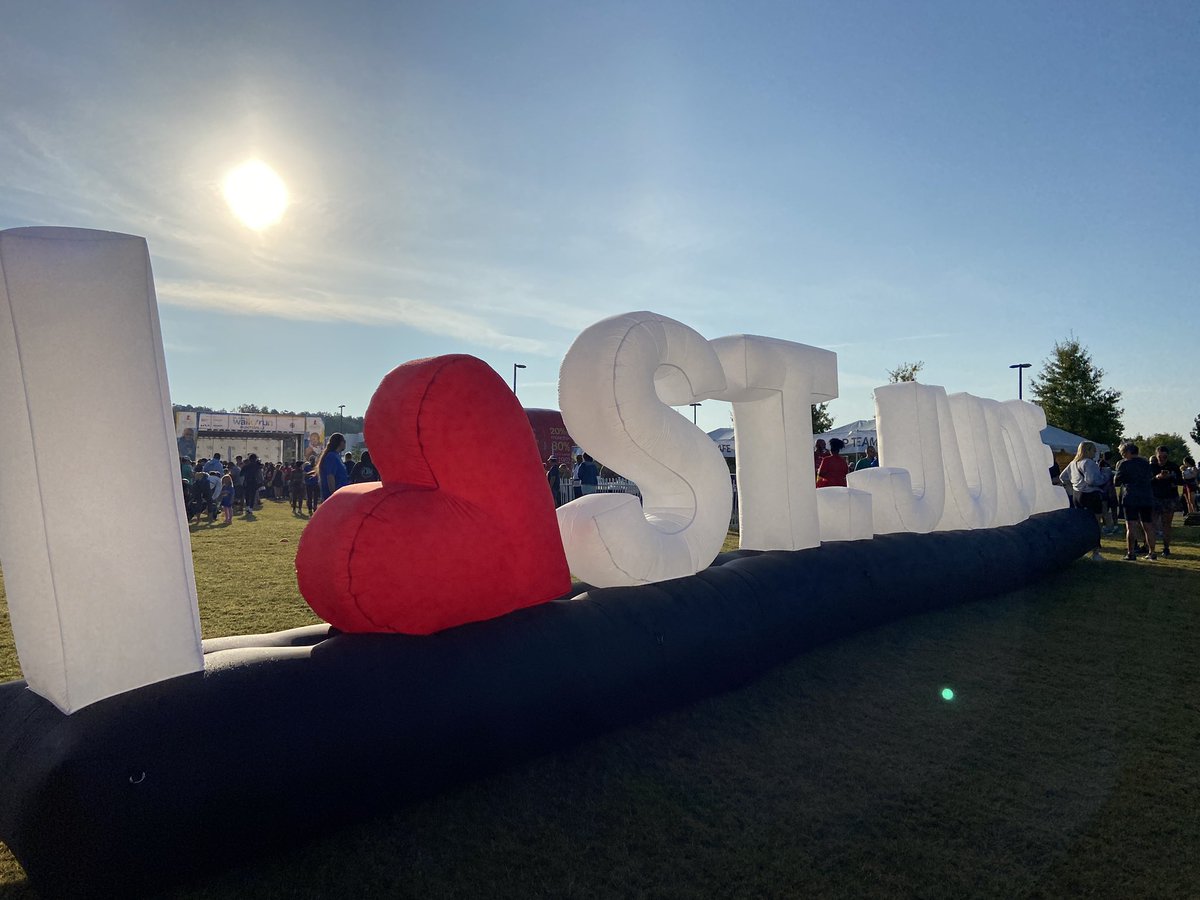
x=128, y=761
x=946, y=462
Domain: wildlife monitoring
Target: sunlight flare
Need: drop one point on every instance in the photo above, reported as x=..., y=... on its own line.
x=256, y=194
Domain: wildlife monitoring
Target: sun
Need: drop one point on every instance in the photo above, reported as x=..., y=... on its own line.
x=255, y=194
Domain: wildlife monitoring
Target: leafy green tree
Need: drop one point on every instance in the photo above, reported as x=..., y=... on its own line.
x=1177, y=447
x=1196, y=431
x=906, y=371
x=1070, y=392
x=822, y=421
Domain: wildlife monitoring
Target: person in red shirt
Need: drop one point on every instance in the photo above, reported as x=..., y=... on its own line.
x=832, y=470
x=819, y=453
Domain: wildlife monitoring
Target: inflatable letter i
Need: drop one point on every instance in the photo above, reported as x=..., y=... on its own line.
x=93, y=537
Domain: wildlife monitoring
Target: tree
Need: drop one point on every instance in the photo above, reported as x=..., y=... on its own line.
x=822, y=421
x=1196, y=431
x=1177, y=447
x=906, y=371
x=1069, y=391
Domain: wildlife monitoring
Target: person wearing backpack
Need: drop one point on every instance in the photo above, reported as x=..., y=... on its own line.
x=364, y=470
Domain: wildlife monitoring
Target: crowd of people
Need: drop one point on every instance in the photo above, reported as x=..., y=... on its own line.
x=1146, y=494
x=1143, y=492
x=572, y=479
x=832, y=468
x=213, y=486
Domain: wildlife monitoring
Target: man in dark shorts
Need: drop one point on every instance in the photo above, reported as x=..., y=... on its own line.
x=1132, y=475
x=1164, y=475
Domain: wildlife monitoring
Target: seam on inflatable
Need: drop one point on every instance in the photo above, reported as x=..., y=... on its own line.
x=641, y=323
x=362, y=522
x=62, y=652
x=433, y=475
x=420, y=407
x=185, y=552
x=637, y=579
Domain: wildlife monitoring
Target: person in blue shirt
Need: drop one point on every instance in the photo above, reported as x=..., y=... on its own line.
x=332, y=470
x=589, y=474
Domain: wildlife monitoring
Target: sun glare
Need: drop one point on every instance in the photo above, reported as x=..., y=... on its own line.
x=255, y=194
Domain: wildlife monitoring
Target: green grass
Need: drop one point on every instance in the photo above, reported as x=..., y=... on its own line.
x=1068, y=763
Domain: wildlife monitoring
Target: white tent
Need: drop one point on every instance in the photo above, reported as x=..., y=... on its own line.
x=724, y=441
x=1064, y=442
x=858, y=435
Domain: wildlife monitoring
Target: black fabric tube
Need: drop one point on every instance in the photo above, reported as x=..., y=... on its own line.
x=286, y=735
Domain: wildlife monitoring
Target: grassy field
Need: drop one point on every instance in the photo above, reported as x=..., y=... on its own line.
x=1067, y=764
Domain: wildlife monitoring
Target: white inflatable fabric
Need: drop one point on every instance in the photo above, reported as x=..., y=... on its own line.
x=99, y=582
x=845, y=513
x=1032, y=419
x=773, y=385
x=616, y=387
x=1016, y=492
x=908, y=489
x=971, y=486
x=955, y=462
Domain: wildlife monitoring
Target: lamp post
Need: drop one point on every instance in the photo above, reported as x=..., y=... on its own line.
x=694, y=406
x=1020, y=367
x=341, y=418
x=515, y=367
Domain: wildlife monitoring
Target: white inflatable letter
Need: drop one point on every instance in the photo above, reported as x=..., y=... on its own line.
x=102, y=599
x=616, y=387
x=773, y=385
x=908, y=490
x=970, y=469
x=1032, y=420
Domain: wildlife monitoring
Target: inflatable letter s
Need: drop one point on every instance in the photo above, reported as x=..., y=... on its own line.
x=616, y=388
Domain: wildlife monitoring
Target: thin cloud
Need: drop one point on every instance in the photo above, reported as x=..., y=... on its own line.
x=884, y=341
x=418, y=314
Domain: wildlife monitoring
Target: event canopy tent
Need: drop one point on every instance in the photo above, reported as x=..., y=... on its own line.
x=858, y=435
x=1064, y=442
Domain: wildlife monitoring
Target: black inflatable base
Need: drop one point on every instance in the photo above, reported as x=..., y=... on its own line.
x=286, y=735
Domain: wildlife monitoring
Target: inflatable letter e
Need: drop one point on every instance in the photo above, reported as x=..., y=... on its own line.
x=461, y=528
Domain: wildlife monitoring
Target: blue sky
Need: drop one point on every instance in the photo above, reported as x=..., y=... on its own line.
x=959, y=183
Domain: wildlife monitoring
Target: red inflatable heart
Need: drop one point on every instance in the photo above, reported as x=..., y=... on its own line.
x=462, y=527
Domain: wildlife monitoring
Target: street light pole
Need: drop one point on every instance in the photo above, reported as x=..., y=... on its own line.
x=515, y=367
x=694, y=406
x=1020, y=367
x=342, y=418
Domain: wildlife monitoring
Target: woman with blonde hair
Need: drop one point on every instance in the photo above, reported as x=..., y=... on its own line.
x=1087, y=482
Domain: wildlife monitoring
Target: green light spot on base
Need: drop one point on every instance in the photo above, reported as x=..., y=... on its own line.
x=947, y=694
